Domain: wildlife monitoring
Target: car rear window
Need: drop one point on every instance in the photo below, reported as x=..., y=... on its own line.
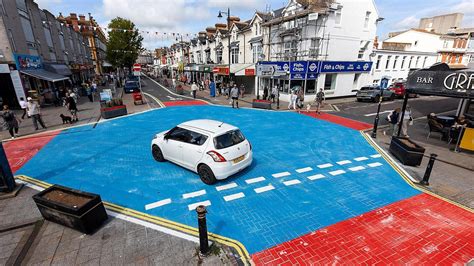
x=366, y=88
x=228, y=139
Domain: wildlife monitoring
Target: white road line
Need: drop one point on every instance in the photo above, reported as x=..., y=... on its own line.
x=278, y=175
x=255, y=180
x=157, y=204
x=304, y=170
x=337, y=172
x=194, y=205
x=358, y=159
x=314, y=177
x=344, y=162
x=292, y=182
x=326, y=165
x=374, y=164
x=264, y=189
x=357, y=168
x=234, y=196
x=376, y=156
x=228, y=186
x=194, y=194
x=384, y=112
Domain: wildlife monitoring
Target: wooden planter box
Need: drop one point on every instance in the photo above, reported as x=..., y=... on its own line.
x=111, y=112
x=406, y=151
x=76, y=209
x=262, y=104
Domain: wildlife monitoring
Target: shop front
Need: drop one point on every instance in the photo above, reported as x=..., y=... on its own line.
x=245, y=75
x=221, y=75
x=12, y=89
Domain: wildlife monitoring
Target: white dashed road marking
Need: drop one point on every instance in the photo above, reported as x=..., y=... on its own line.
x=344, y=162
x=194, y=194
x=255, y=180
x=264, y=189
x=228, y=186
x=304, y=170
x=374, y=164
x=324, y=165
x=234, y=196
x=194, y=205
x=292, y=182
x=157, y=204
x=357, y=168
x=314, y=177
x=376, y=156
x=337, y=172
x=278, y=175
x=361, y=159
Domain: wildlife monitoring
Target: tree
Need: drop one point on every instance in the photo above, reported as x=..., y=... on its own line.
x=125, y=43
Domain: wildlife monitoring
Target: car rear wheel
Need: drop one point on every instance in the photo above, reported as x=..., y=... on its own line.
x=376, y=98
x=157, y=154
x=206, y=175
x=359, y=100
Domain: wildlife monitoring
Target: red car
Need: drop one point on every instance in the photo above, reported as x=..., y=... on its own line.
x=399, y=89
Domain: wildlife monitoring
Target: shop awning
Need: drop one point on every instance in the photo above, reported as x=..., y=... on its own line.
x=235, y=68
x=234, y=44
x=244, y=70
x=256, y=39
x=44, y=75
x=60, y=69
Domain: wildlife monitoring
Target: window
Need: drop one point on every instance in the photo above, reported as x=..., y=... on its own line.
x=445, y=44
x=177, y=134
x=377, y=64
x=314, y=49
x=288, y=51
x=12, y=40
x=330, y=82
x=219, y=56
x=26, y=25
x=228, y=139
x=456, y=59
x=403, y=62
x=409, y=64
x=417, y=61
x=338, y=17
x=387, y=64
x=234, y=55
x=395, y=62
x=20, y=4
x=256, y=51
x=424, y=61
x=208, y=56
x=367, y=19
x=195, y=138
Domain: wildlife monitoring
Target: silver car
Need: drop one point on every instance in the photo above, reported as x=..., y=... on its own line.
x=374, y=93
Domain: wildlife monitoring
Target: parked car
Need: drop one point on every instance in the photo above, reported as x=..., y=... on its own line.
x=399, y=88
x=373, y=93
x=213, y=149
x=131, y=86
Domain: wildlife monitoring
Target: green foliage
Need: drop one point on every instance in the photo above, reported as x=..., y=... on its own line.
x=123, y=46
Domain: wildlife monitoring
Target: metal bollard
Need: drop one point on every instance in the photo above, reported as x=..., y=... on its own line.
x=203, y=239
x=429, y=167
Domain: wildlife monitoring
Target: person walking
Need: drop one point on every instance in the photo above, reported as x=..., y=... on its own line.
x=23, y=105
x=11, y=122
x=234, y=93
x=194, y=89
x=393, y=119
x=274, y=93
x=320, y=98
x=265, y=92
x=242, y=90
x=72, y=107
x=212, y=88
x=89, y=93
x=34, y=112
x=407, y=121
x=292, y=99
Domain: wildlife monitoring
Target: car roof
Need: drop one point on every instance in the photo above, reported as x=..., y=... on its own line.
x=208, y=126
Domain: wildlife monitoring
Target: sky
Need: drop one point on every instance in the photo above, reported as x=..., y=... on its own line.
x=192, y=16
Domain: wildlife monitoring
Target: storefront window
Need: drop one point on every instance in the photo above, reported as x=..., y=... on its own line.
x=330, y=82
x=311, y=87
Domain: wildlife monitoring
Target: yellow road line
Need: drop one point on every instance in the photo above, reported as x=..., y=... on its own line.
x=155, y=99
x=239, y=247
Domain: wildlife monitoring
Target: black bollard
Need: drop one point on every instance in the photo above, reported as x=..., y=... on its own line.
x=429, y=167
x=203, y=240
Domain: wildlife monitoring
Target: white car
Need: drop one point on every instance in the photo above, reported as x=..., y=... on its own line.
x=215, y=150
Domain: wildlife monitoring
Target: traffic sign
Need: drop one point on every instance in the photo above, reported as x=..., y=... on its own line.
x=137, y=67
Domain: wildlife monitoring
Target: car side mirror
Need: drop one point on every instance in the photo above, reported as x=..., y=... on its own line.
x=166, y=137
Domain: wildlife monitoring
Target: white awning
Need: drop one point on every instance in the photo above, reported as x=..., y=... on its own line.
x=239, y=69
x=44, y=75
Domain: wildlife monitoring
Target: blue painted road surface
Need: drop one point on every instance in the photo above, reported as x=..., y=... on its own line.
x=306, y=174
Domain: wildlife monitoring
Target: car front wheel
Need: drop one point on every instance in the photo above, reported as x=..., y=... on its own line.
x=206, y=175
x=157, y=154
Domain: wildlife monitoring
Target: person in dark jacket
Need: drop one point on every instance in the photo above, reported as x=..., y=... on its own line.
x=11, y=122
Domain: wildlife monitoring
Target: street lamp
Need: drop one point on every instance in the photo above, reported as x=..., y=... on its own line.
x=228, y=35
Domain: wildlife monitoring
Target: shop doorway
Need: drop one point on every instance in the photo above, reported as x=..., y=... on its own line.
x=7, y=92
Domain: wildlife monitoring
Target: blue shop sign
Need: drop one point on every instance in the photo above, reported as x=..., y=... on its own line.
x=310, y=76
x=345, y=66
x=27, y=62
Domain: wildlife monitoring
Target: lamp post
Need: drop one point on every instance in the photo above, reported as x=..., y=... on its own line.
x=228, y=35
x=383, y=85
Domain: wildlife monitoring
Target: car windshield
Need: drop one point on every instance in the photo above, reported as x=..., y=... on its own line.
x=131, y=82
x=367, y=88
x=228, y=139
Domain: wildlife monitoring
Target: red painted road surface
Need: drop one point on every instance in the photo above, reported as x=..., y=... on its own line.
x=21, y=151
x=184, y=103
x=419, y=230
x=340, y=120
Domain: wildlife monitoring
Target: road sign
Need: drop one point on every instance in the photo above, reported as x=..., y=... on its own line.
x=137, y=67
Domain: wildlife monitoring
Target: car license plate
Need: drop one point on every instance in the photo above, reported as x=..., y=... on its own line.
x=239, y=159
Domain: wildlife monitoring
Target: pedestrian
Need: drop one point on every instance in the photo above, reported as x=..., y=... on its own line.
x=274, y=93
x=393, y=119
x=227, y=91
x=407, y=121
x=242, y=90
x=89, y=93
x=292, y=100
x=300, y=99
x=235, y=96
x=194, y=89
x=72, y=107
x=73, y=95
x=35, y=113
x=212, y=88
x=202, y=84
x=11, y=122
x=23, y=105
x=320, y=98
x=265, y=92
